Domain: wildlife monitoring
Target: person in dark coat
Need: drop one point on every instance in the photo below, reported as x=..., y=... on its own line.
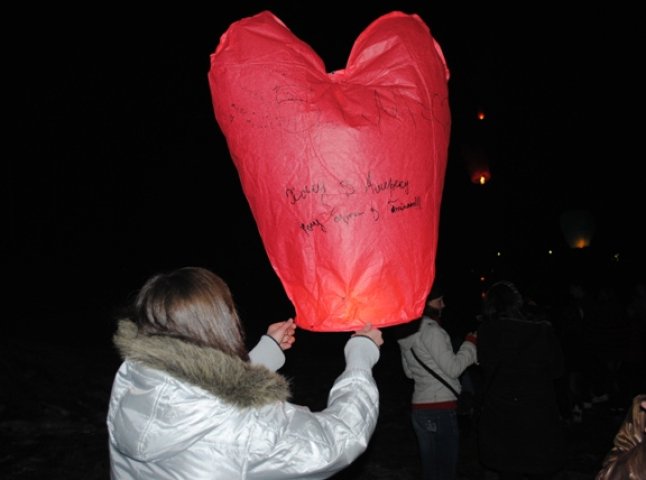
x=520, y=431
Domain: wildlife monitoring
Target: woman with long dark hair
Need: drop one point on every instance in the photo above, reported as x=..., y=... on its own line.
x=189, y=401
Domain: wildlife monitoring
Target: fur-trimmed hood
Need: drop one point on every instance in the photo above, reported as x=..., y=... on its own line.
x=231, y=379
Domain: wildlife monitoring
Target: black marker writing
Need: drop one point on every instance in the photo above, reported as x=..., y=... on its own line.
x=405, y=206
x=347, y=188
x=295, y=195
x=346, y=217
x=374, y=212
x=309, y=227
x=387, y=185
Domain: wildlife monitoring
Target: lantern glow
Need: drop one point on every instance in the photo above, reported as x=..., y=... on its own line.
x=476, y=164
x=480, y=177
x=578, y=228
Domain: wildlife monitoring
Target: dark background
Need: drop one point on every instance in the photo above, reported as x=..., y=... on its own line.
x=115, y=169
x=120, y=170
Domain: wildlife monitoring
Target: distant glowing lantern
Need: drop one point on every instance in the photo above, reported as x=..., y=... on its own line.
x=480, y=177
x=343, y=171
x=477, y=165
x=578, y=227
x=481, y=115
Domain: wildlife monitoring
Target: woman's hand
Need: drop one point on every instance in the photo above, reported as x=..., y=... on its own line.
x=283, y=333
x=373, y=333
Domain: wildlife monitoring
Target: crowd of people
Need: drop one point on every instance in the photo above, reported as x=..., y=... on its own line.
x=189, y=401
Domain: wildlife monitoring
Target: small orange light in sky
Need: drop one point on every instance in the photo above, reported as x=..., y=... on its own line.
x=481, y=176
x=481, y=115
x=581, y=242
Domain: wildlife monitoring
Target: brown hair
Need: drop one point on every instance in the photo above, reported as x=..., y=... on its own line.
x=193, y=304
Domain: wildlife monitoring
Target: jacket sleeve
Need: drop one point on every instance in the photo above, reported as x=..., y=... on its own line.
x=268, y=353
x=404, y=349
x=407, y=371
x=438, y=344
x=316, y=445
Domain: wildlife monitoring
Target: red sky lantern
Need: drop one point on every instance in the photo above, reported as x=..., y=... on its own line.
x=343, y=171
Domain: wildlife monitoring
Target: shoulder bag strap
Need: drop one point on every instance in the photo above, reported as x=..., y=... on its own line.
x=432, y=372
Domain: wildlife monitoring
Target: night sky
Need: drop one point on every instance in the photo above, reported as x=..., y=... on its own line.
x=120, y=170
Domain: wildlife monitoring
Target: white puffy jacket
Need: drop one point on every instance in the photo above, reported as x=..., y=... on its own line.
x=178, y=411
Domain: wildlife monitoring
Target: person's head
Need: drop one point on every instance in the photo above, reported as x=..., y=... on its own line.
x=193, y=304
x=435, y=302
x=502, y=298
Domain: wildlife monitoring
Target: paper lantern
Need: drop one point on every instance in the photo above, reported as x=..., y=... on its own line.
x=343, y=171
x=477, y=164
x=578, y=228
x=480, y=177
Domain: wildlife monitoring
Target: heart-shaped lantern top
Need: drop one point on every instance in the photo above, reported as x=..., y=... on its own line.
x=343, y=171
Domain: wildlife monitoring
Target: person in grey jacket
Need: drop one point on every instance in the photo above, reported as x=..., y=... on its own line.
x=189, y=402
x=434, y=405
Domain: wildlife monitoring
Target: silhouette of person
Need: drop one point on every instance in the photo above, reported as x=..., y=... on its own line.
x=520, y=432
